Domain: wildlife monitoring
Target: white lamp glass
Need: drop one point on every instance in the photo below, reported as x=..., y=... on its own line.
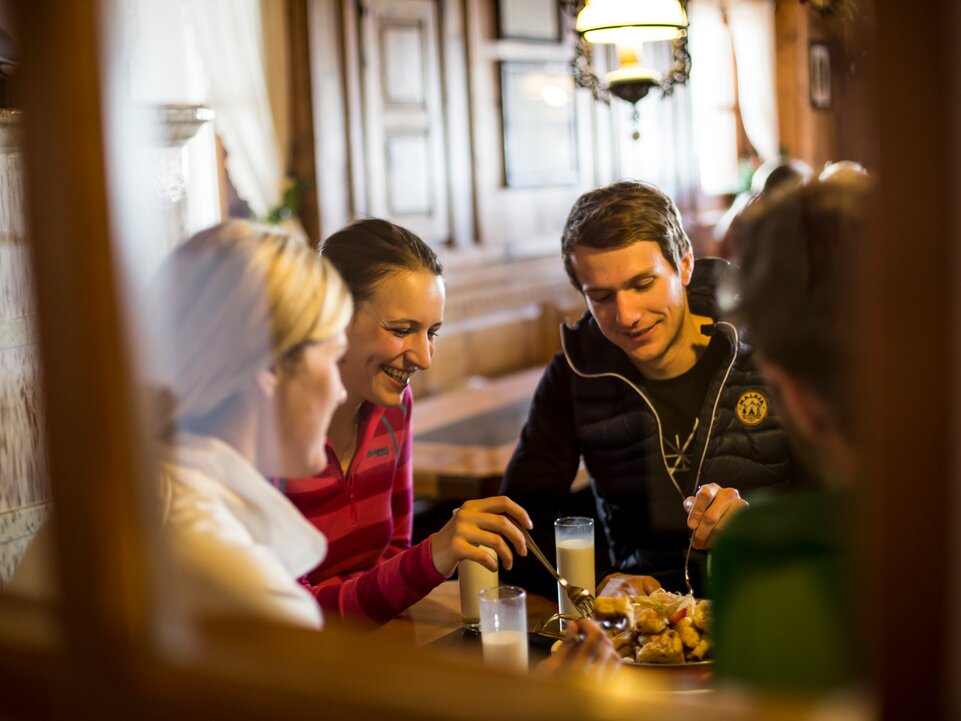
x=606, y=21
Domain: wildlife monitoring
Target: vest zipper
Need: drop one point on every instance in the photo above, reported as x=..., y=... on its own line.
x=657, y=418
x=717, y=400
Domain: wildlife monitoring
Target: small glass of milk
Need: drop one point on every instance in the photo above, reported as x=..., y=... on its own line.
x=503, y=625
x=574, y=540
x=472, y=579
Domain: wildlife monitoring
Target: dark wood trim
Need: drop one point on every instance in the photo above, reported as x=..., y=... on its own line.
x=301, y=154
x=910, y=366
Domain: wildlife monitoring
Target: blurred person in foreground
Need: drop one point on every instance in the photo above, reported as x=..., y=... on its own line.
x=780, y=575
x=250, y=328
x=254, y=329
x=658, y=396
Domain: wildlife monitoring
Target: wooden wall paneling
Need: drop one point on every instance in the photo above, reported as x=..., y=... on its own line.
x=516, y=221
x=328, y=95
x=814, y=134
x=458, y=127
x=484, y=112
x=500, y=318
x=353, y=10
x=824, y=122
x=791, y=30
x=403, y=116
x=301, y=152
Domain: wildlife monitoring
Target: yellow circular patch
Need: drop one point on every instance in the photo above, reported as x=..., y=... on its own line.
x=751, y=408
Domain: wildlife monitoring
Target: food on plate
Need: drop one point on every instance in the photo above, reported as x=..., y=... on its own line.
x=614, y=608
x=663, y=628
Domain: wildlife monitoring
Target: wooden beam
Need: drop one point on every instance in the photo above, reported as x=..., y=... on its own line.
x=94, y=459
x=301, y=154
x=909, y=368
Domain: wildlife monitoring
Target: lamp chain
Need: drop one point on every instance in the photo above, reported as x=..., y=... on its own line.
x=680, y=68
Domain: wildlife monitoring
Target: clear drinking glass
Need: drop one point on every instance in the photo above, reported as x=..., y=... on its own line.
x=503, y=625
x=472, y=578
x=574, y=541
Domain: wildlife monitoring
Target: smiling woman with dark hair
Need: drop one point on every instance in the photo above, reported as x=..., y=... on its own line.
x=363, y=501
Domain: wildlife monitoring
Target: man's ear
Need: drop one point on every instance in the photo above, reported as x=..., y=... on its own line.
x=686, y=268
x=805, y=411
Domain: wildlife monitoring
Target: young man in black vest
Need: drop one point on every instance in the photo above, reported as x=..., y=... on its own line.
x=659, y=398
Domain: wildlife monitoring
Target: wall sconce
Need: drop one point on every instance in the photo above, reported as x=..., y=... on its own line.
x=627, y=24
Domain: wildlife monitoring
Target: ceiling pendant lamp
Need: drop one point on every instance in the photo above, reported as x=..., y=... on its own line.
x=628, y=24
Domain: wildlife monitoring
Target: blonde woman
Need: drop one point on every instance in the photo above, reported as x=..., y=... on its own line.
x=251, y=328
x=254, y=330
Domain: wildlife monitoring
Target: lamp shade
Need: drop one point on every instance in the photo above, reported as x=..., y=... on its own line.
x=605, y=21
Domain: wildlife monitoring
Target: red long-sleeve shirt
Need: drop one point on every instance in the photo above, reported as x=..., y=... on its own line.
x=371, y=570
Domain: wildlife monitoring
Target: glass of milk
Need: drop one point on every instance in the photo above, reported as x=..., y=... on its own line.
x=503, y=625
x=574, y=540
x=472, y=578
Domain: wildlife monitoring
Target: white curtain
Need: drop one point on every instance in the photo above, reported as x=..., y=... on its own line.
x=229, y=39
x=713, y=97
x=752, y=29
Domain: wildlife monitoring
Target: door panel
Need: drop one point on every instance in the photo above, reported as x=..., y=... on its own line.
x=403, y=117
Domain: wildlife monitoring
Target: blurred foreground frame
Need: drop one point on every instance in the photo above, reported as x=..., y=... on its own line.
x=95, y=653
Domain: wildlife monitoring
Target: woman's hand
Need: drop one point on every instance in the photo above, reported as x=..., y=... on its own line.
x=623, y=584
x=586, y=650
x=708, y=511
x=480, y=523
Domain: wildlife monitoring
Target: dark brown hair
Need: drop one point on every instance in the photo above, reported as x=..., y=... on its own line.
x=622, y=214
x=794, y=249
x=368, y=250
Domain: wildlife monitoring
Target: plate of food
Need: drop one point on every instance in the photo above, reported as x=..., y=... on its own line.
x=663, y=630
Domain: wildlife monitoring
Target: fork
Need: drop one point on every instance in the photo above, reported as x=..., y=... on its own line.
x=581, y=598
x=687, y=561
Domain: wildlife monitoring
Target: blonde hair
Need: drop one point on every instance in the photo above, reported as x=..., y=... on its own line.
x=238, y=298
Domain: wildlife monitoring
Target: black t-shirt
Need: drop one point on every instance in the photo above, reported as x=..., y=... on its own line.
x=678, y=402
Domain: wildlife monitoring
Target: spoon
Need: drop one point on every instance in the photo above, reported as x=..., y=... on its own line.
x=581, y=598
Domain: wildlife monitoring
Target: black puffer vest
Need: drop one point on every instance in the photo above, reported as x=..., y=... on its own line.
x=739, y=441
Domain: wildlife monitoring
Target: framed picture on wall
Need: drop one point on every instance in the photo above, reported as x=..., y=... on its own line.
x=819, y=66
x=540, y=141
x=538, y=20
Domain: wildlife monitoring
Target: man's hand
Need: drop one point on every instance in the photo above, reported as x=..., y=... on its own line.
x=586, y=651
x=622, y=584
x=709, y=510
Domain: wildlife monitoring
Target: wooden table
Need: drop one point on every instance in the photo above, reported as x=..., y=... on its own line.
x=435, y=621
x=464, y=439
x=438, y=615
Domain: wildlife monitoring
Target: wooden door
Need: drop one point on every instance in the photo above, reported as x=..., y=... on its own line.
x=406, y=177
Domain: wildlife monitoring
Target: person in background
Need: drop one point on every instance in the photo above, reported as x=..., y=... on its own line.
x=660, y=398
x=363, y=500
x=843, y=169
x=251, y=326
x=771, y=176
x=785, y=609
